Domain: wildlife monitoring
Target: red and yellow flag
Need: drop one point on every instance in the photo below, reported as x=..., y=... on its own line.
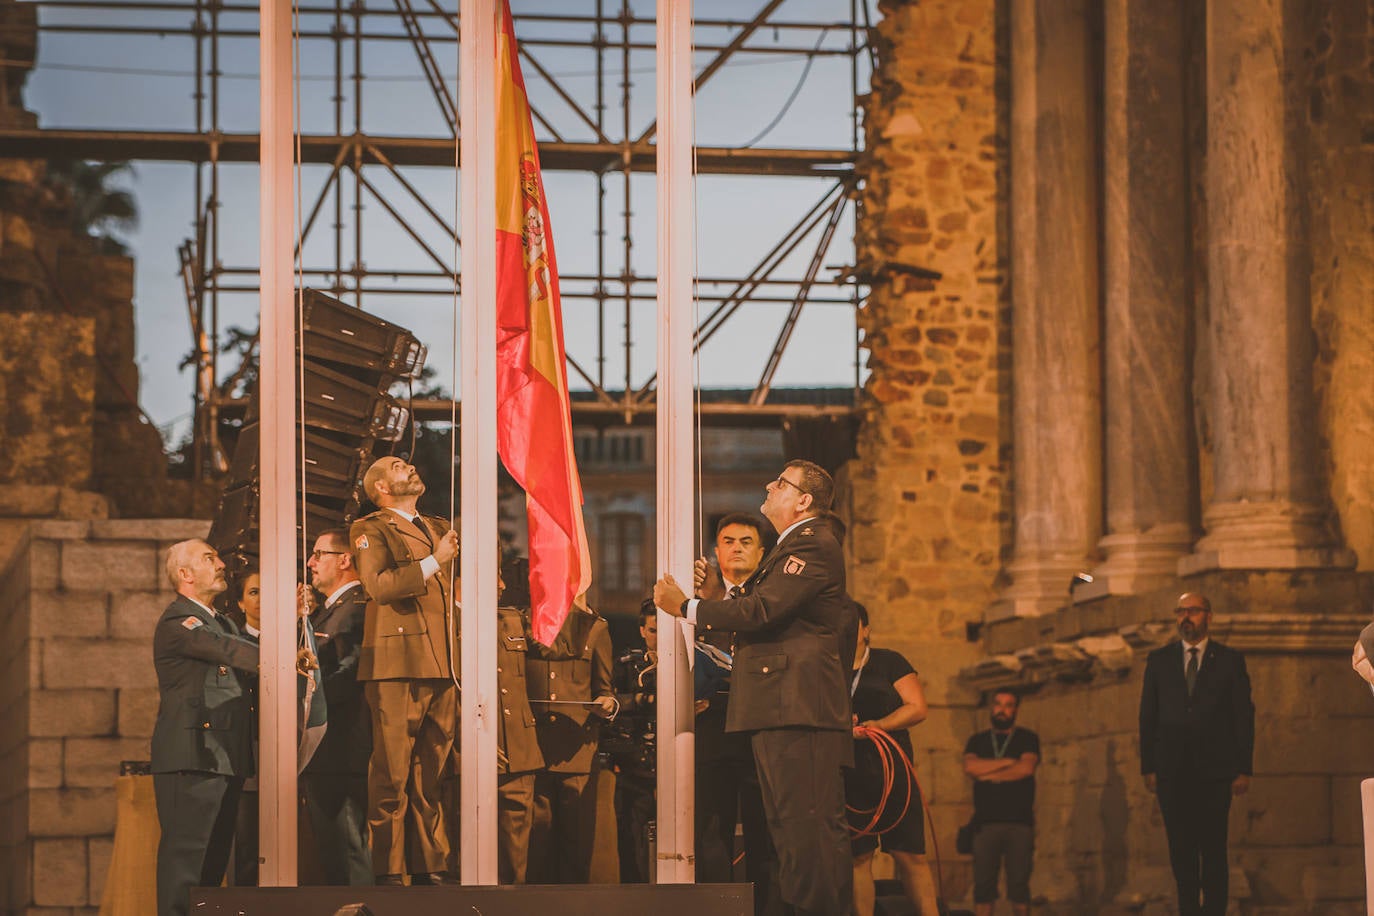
x=534, y=421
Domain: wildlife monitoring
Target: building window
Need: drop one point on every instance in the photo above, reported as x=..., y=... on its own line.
x=622, y=554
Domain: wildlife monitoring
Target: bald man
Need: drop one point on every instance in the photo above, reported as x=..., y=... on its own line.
x=407, y=666
x=1197, y=739
x=202, y=745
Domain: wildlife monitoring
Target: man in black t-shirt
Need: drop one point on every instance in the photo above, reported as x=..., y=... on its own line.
x=1002, y=762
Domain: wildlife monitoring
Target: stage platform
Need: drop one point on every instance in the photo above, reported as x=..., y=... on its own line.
x=545, y=900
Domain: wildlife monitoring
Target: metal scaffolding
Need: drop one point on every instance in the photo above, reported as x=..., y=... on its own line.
x=359, y=177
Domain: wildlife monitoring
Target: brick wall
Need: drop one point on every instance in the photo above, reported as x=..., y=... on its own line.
x=78, y=603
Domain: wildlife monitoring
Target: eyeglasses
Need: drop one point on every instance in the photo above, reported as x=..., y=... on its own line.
x=316, y=554
x=1190, y=610
x=782, y=479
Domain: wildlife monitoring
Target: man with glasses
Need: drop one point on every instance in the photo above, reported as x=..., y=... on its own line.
x=1197, y=739
x=407, y=666
x=335, y=780
x=795, y=631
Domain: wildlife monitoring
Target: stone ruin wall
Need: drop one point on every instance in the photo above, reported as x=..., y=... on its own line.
x=932, y=531
x=930, y=496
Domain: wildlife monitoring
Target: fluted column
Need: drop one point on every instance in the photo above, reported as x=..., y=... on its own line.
x=1269, y=508
x=1150, y=480
x=1056, y=398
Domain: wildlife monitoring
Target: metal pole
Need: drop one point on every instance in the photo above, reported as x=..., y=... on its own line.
x=676, y=484
x=1367, y=800
x=277, y=406
x=478, y=558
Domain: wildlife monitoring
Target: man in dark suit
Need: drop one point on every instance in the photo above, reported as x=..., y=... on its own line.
x=571, y=691
x=1197, y=739
x=202, y=741
x=727, y=781
x=793, y=623
x=407, y=668
x=335, y=779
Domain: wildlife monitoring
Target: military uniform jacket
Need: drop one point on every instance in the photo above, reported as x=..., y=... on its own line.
x=347, y=742
x=792, y=623
x=576, y=667
x=205, y=713
x=410, y=627
x=515, y=733
x=1210, y=735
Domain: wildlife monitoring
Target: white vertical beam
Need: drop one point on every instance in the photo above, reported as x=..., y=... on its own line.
x=676, y=464
x=277, y=416
x=1367, y=803
x=478, y=558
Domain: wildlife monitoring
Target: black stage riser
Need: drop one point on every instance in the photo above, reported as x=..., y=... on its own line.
x=563, y=900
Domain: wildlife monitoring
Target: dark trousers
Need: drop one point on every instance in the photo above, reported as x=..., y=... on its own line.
x=337, y=804
x=564, y=828
x=196, y=812
x=514, y=818
x=1195, y=813
x=728, y=793
x=634, y=811
x=413, y=724
x=802, y=782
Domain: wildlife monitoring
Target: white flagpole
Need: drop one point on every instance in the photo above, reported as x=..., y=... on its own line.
x=277, y=416
x=478, y=558
x=676, y=510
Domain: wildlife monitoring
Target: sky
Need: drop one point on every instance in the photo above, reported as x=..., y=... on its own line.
x=112, y=80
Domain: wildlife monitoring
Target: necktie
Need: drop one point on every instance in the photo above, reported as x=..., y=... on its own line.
x=734, y=591
x=1190, y=674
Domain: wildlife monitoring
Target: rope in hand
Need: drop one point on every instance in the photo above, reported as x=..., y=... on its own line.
x=889, y=754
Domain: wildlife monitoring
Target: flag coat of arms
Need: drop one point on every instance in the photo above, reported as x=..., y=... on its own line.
x=534, y=422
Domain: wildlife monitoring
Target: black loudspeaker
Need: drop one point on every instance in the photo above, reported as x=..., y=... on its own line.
x=350, y=361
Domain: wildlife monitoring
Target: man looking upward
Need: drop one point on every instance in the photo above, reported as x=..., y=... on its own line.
x=407, y=669
x=793, y=624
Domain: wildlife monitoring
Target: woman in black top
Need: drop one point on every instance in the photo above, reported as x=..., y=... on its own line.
x=887, y=695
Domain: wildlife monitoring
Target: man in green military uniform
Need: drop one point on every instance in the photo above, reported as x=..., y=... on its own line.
x=570, y=690
x=518, y=749
x=407, y=669
x=202, y=745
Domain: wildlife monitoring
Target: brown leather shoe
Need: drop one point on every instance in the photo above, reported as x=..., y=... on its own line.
x=432, y=879
x=390, y=881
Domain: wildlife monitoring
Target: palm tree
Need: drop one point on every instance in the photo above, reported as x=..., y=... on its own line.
x=98, y=211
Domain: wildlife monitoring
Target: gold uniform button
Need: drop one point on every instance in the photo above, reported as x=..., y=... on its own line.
x=553, y=675
x=205, y=725
x=503, y=690
x=765, y=669
x=506, y=711
x=498, y=669
x=400, y=629
x=553, y=696
x=223, y=670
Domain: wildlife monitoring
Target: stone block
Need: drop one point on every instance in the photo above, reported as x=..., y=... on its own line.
x=1282, y=874
x=1322, y=883
x=1312, y=745
x=168, y=530
x=109, y=565
x=137, y=711
x=30, y=502
x=59, y=529
x=99, y=850
x=1284, y=811
x=72, y=812
x=69, y=663
x=94, y=762
x=134, y=615
x=69, y=613
x=1347, y=824
x=60, y=875
x=82, y=504
x=45, y=763
x=60, y=713
x=44, y=564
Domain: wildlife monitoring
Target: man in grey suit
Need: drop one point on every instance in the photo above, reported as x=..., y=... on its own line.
x=793, y=623
x=202, y=744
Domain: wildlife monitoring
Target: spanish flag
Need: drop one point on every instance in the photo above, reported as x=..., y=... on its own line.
x=534, y=422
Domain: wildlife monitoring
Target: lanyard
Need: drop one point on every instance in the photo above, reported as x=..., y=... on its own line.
x=854, y=686
x=996, y=751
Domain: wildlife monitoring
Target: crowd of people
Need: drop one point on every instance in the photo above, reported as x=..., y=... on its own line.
x=801, y=725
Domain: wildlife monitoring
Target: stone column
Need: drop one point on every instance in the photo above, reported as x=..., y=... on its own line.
x=1150, y=475
x=1056, y=398
x=1269, y=508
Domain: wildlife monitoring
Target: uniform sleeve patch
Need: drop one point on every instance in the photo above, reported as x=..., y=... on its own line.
x=361, y=542
x=191, y=623
x=793, y=566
